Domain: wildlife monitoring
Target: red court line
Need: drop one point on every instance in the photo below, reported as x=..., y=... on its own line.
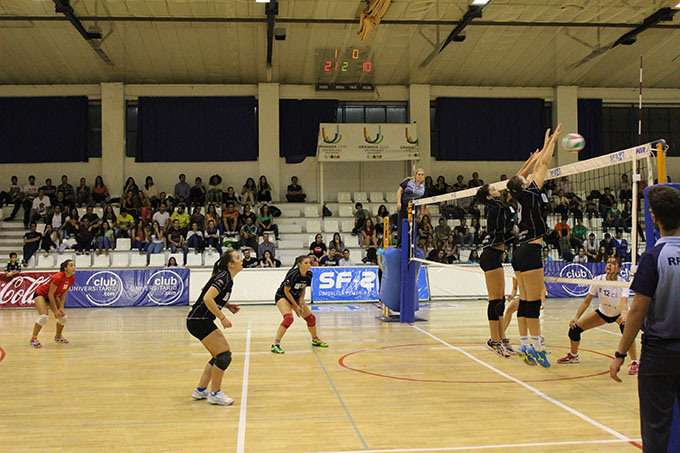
x=342, y=363
x=2, y=354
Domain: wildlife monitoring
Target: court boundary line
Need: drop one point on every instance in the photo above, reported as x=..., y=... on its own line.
x=484, y=447
x=241, y=442
x=342, y=403
x=534, y=390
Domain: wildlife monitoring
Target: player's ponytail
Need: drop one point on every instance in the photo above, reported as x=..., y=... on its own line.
x=221, y=264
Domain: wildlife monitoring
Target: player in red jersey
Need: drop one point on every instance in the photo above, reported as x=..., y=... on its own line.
x=52, y=294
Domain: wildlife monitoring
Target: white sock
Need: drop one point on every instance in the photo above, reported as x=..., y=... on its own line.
x=536, y=342
x=524, y=341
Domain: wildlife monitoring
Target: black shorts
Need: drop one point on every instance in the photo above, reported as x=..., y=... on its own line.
x=200, y=328
x=491, y=259
x=605, y=318
x=527, y=257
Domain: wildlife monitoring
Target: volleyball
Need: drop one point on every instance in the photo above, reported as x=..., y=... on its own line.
x=573, y=143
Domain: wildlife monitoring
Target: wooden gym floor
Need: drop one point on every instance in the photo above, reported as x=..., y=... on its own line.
x=125, y=380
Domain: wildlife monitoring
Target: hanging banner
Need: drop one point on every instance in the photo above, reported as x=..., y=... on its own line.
x=367, y=142
x=576, y=270
x=128, y=288
x=17, y=292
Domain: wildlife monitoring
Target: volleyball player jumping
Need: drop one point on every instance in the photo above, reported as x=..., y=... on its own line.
x=52, y=294
x=291, y=297
x=613, y=308
x=201, y=324
x=526, y=260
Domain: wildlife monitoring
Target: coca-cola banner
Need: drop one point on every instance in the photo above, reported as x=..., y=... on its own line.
x=576, y=270
x=18, y=291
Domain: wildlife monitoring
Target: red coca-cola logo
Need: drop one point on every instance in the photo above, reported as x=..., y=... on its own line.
x=18, y=291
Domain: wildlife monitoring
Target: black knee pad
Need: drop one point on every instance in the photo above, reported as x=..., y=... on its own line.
x=622, y=326
x=495, y=309
x=533, y=309
x=223, y=360
x=211, y=361
x=522, y=309
x=575, y=333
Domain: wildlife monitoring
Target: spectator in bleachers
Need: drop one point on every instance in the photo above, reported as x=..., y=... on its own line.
x=181, y=216
x=606, y=202
x=91, y=217
x=195, y=238
x=31, y=242
x=163, y=200
x=249, y=261
x=71, y=227
x=146, y=210
x=591, y=209
x=565, y=186
x=546, y=255
x=380, y=216
x=441, y=187
x=247, y=212
x=13, y=266
x=360, y=216
x=459, y=185
x=441, y=257
x=182, y=191
x=265, y=245
x=371, y=256
x=229, y=220
x=318, y=247
x=130, y=202
x=622, y=250
x=591, y=246
x=230, y=197
x=249, y=192
x=476, y=231
x=265, y=222
x=57, y=219
x=616, y=240
x=67, y=190
x=30, y=193
x=124, y=222
x=462, y=232
x=563, y=243
x=294, y=192
x=269, y=261
x=198, y=218
x=474, y=256
x=574, y=207
x=264, y=190
x=562, y=225
x=368, y=234
x=313, y=260
x=40, y=207
x=130, y=187
x=150, y=191
x=581, y=257
x=608, y=244
x=13, y=195
x=50, y=190
x=105, y=239
x=429, y=187
x=212, y=237
x=627, y=216
x=197, y=193
x=59, y=201
x=560, y=203
x=83, y=193
x=176, y=239
x=84, y=238
x=332, y=259
x=157, y=241
x=579, y=231
x=215, y=189
x=345, y=260
x=441, y=232
x=602, y=255
x=47, y=243
x=451, y=249
x=211, y=214
x=172, y=262
x=161, y=216
x=100, y=193
x=248, y=234
x=138, y=236
x=475, y=181
x=625, y=188
x=337, y=242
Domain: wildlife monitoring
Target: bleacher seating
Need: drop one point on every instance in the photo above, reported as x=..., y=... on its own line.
x=83, y=261
x=158, y=260
x=313, y=226
x=312, y=211
x=344, y=197
x=122, y=259
x=376, y=197
x=360, y=197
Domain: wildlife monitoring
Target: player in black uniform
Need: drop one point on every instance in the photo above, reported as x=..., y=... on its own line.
x=291, y=297
x=526, y=261
x=201, y=324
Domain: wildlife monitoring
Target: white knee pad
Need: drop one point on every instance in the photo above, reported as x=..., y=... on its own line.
x=42, y=320
x=62, y=320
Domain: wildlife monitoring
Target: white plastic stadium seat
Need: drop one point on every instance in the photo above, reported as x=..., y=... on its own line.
x=391, y=197
x=122, y=259
x=313, y=226
x=346, y=211
x=376, y=197
x=344, y=197
x=179, y=257
x=157, y=260
x=194, y=260
x=123, y=244
x=211, y=258
x=312, y=211
x=346, y=226
x=330, y=226
x=137, y=260
x=83, y=261
x=360, y=197
x=45, y=262
x=101, y=261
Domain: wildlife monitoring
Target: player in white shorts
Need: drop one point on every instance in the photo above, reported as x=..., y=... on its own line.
x=613, y=308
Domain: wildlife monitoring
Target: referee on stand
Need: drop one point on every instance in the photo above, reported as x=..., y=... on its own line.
x=656, y=309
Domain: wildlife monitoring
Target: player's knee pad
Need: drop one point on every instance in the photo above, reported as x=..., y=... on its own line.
x=533, y=310
x=62, y=320
x=211, y=362
x=311, y=320
x=287, y=320
x=622, y=326
x=42, y=320
x=495, y=309
x=522, y=309
x=223, y=360
x=575, y=333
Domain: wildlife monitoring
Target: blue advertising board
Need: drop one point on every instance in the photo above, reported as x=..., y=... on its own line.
x=129, y=288
x=356, y=283
x=576, y=270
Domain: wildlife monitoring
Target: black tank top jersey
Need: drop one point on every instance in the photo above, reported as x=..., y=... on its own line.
x=532, y=210
x=223, y=283
x=500, y=220
x=296, y=282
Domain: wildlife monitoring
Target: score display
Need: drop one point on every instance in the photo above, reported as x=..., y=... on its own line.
x=350, y=65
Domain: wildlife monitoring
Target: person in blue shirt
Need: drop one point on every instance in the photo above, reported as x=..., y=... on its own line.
x=410, y=189
x=656, y=309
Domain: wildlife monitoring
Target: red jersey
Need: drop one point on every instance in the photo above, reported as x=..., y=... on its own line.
x=60, y=281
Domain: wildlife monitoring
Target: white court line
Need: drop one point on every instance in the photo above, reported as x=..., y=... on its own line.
x=608, y=331
x=240, y=444
x=529, y=387
x=485, y=447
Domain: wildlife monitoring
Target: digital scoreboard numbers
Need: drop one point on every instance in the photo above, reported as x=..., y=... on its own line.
x=344, y=69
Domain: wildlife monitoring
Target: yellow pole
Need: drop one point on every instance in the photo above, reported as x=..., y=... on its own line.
x=660, y=163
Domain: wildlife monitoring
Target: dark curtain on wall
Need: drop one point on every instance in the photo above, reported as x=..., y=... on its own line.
x=299, y=126
x=43, y=129
x=590, y=127
x=197, y=129
x=485, y=129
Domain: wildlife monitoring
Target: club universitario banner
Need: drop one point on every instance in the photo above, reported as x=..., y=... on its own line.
x=367, y=142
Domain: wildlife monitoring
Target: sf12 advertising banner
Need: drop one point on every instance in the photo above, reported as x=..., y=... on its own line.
x=18, y=292
x=367, y=142
x=129, y=288
x=576, y=270
x=357, y=283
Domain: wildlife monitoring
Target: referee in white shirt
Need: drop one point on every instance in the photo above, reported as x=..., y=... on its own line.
x=656, y=309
